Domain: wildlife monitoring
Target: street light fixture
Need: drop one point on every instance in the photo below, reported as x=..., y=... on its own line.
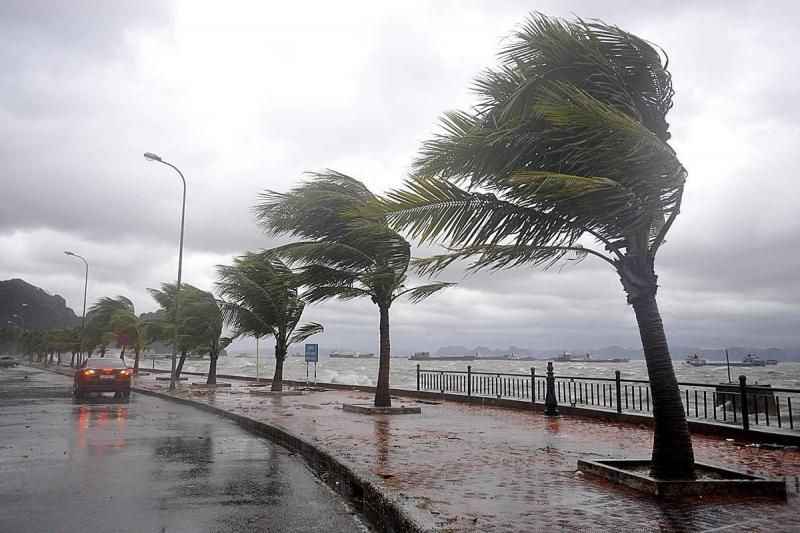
x=83, y=319
x=154, y=157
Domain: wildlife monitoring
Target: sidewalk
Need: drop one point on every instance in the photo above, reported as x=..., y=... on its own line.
x=488, y=469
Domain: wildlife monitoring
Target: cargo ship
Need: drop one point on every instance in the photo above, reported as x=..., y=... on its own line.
x=426, y=356
x=567, y=357
x=749, y=360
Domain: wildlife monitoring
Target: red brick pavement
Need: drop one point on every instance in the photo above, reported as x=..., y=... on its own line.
x=488, y=469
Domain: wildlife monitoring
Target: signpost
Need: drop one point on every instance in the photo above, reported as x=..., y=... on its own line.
x=312, y=356
x=258, y=369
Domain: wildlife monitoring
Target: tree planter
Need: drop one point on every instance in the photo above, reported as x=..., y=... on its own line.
x=166, y=378
x=369, y=409
x=711, y=480
x=210, y=385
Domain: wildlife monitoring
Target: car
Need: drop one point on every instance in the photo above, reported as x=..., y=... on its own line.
x=104, y=374
x=6, y=361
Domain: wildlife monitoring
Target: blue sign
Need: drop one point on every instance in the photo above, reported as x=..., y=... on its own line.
x=312, y=353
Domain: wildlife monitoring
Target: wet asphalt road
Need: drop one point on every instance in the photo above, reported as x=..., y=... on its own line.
x=149, y=465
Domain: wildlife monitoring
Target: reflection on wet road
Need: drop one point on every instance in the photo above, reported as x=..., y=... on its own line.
x=144, y=466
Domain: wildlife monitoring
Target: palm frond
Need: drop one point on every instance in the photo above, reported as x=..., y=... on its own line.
x=435, y=209
x=499, y=257
x=324, y=292
x=305, y=331
x=419, y=293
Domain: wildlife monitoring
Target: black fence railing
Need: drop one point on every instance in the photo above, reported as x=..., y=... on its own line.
x=737, y=404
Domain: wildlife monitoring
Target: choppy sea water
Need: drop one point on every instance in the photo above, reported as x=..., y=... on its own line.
x=403, y=371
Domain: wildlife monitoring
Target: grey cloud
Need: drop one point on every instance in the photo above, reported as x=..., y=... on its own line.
x=84, y=92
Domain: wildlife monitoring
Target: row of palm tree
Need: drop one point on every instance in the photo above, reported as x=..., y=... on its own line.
x=565, y=156
x=46, y=346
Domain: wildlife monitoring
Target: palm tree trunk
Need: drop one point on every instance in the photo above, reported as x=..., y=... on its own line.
x=673, y=457
x=212, y=369
x=122, y=353
x=179, y=367
x=136, y=360
x=382, y=397
x=280, y=357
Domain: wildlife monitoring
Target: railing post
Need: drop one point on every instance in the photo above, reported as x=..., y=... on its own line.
x=417, y=377
x=743, y=393
x=550, y=403
x=533, y=385
x=619, y=390
x=469, y=380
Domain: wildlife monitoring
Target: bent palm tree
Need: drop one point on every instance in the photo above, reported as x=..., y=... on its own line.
x=568, y=141
x=202, y=320
x=260, y=297
x=164, y=328
x=347, y=252
x=200, y=327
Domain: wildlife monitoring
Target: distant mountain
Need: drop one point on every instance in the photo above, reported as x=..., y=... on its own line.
x=30, y=307
x=735, y=353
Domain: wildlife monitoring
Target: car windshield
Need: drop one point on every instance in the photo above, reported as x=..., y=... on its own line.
x=111, y=362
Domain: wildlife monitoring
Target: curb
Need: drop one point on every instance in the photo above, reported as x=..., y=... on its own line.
x=384, y=511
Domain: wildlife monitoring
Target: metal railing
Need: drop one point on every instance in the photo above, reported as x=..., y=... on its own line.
x=736, y=404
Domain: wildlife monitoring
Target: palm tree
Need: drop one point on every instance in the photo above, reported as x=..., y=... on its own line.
x=117, y=316
x=202, y=320
x=348, y=250
x=201, y=324
x=565, y=156
x=260, y=298
x=164, y=331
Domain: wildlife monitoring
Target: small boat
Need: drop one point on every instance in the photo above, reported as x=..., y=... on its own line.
x=426, y=356
x=351, y=355
x=772, y=361
x=695, y=360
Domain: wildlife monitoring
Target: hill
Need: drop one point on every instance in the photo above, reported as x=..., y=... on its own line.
x=30, y=307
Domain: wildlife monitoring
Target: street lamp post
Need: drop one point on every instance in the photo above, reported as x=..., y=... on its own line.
x=153, y=157
x=83, y=318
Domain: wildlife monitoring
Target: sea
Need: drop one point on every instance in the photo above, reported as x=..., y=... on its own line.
x=403, y=370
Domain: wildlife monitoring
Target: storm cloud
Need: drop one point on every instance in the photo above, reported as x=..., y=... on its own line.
x=249, y=96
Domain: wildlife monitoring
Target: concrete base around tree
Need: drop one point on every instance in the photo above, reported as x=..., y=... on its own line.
x=210, y=385
x=711, y=480
x=276, y=393
x=166, y=378
x=369, y=409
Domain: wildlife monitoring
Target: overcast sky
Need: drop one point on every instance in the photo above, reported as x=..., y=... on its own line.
x=245, y=96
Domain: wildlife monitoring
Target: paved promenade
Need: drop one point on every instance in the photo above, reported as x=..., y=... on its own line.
x=471, y=468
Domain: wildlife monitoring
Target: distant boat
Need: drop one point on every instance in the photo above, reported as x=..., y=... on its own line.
x=695, y=360
x=426, y=356
x=351, y=355
x=749, y=360
x=567, y=357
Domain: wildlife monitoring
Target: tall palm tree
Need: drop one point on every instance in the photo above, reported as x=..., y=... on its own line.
x=348, y=251
x=260, y=297
x=565, y=156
